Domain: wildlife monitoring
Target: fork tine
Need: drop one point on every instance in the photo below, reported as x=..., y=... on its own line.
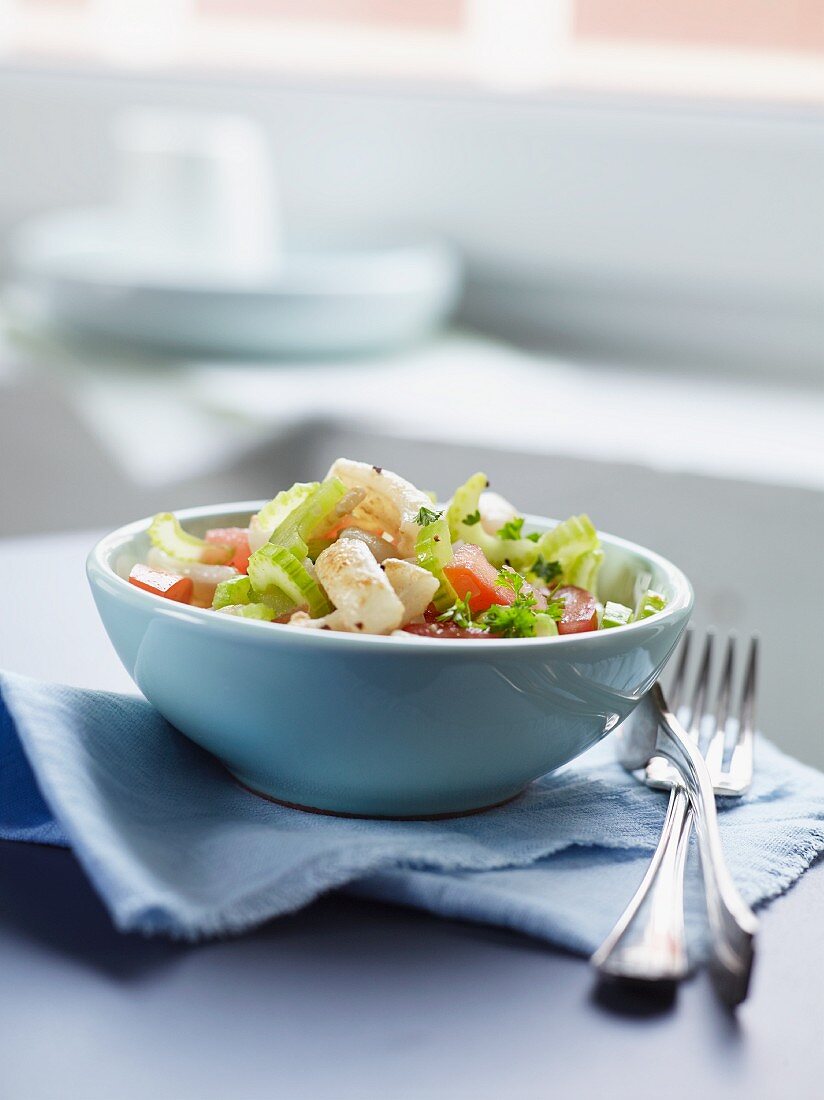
x=715, y=749
x=739, y=775
x=699, y=695
x=680, y=673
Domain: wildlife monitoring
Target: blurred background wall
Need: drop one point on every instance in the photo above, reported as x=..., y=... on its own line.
x=639, y=179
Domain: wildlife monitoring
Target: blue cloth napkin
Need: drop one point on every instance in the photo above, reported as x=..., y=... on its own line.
x=173, y=845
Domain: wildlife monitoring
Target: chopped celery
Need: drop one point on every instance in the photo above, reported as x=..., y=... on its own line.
x=433, y=550
x=239, y=591
x=318, y=510
x=584, y=570
x=615, y=614
x=274, y=569
x=315, y=547
x=260, y=611
x=277, y=569
x=650, y=604
x=309, y=518
x=545, y=626
x=292, y=536
x=575, y=545
x=275, y=512
x=279, y=602
x=230, y=593
x=520, y=553
x=568, y=541
x=167, y=535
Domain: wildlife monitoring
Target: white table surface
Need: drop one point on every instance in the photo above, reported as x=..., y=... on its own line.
x=347, y=998
x=458, y=387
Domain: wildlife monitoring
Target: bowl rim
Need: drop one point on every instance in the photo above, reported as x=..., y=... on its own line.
x=99, y=568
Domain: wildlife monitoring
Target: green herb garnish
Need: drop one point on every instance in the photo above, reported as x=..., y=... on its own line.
x=519, y=619
x=555, y=609
x=511, y=530
x=547, y=571
x=508, y=578
x=472, y=518
x=426, y=516
x=460, y=613
x=515, y=620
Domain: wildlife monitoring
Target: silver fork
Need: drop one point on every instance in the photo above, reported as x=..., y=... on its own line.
x=648, y=942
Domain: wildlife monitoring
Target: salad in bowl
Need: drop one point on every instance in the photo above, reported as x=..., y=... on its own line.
x=366, y=552
x=353, y=647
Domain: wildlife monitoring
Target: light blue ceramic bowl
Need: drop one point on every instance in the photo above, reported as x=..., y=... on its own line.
x=390, y=727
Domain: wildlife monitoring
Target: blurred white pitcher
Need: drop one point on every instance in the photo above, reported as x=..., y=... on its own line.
x=197, y=197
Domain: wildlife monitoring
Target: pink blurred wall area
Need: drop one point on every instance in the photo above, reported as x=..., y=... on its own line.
x=414, y=14
x=774, y=25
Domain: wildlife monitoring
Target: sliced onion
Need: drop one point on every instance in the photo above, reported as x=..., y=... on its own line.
x=205, y=578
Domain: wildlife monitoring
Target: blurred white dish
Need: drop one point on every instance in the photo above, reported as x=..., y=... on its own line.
x=76, y=270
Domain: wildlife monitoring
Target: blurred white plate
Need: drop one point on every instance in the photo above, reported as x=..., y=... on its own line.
x=74, y=269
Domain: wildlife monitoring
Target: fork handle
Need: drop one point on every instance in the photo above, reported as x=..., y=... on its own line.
x=732, y=923
x=648, y=942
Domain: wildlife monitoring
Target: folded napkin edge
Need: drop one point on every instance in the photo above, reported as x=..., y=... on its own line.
x=296, y=889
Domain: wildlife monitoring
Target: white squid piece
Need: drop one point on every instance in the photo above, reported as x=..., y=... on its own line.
x=414, y=587
x=365, y=602
x=332, y=621
x=391, y=504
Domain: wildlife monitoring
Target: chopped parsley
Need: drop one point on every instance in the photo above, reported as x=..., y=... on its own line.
x=472, y=518
x=508, y=578
x=515, y=620
x=555, y=609
x=460, y=613
x=426, y=516
x=533, y=536
x=520, y=618
x=547, y=571
x=511, y=530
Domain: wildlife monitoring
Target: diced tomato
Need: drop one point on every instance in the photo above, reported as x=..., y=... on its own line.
x=238, y=539
x=470, y=573
x=580, y=612
x=160, y=583
x=446, y=630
